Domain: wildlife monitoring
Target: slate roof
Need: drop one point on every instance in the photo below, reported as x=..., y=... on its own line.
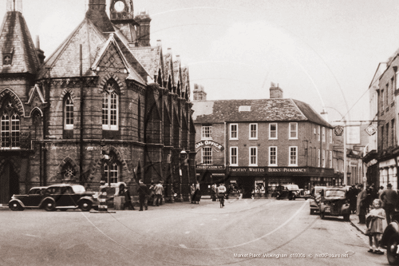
x=15, y=39
x=150, y=58
x=264, y=110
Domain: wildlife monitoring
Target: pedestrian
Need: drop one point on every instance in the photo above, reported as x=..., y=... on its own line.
x=221, y=193
x=361, y=205
x=197, y=193
x=389, y=198
x=375, y=227
x=151, y=197
x=158, y=193
x=352, y=193
x=213, y=192
x=123, y=191
x=380, y=191
x=192, y=192
x=144, y=192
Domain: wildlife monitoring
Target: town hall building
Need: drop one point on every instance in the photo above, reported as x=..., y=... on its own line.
x=105, y=106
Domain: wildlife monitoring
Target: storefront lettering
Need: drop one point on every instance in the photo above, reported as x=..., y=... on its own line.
x=209, y=143
x=241, y=169
x=287, y=170
x=219, y=167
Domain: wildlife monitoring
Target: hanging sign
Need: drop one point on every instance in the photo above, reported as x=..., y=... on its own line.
x=371, y=129
x=338, y=130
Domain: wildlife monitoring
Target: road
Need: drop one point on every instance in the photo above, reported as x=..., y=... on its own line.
x=244, y=232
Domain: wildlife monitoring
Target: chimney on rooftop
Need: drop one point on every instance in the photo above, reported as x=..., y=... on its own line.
x=199, y=94
x=275, y=91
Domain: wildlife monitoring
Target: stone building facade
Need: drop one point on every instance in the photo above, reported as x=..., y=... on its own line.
x=105, y=106
x=261, y=143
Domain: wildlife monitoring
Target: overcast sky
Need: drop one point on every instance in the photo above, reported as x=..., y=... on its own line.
x=323, y=52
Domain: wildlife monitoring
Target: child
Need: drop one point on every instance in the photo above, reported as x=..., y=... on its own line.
x=375, y=226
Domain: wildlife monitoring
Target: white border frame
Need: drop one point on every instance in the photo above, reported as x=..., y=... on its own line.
x=270, y=164
x=270, y=125
x=289, y=130
x=249, y=153
x=296, y=156
x=233, y=147
x=257, y=129
x=230, y=126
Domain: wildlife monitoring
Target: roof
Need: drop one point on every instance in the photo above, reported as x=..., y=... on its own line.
x=263, y=110
x=15, y=39
x=149, y=57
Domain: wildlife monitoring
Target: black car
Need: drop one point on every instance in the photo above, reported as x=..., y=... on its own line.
x=61, y=196
x=390, y=240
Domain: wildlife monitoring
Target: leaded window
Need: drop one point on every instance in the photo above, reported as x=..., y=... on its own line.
x=207, y=155
x=10, y=130
x=68, y=112
x=110, y=107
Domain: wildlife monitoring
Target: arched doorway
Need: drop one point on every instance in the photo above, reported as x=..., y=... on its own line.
x=9, y=183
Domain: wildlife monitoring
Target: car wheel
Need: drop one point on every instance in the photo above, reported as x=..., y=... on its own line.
x=346, y=217
x=49, y=205
x=392, y=247
x=15, y=206
x=321, y=215
x=85, y=205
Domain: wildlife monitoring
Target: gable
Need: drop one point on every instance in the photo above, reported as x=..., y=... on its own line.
x=112, y=61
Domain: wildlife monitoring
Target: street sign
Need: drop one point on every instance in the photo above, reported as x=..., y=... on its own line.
x=371, y=129
x=338, y=130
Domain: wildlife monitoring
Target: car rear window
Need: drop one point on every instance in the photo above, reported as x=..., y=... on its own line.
x=78, y=189
x=335, y=193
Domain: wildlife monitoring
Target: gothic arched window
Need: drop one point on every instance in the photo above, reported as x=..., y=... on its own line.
x=110, y=108
x=68, y=172
x=112, y=169
x=68, y=112
x=10, y=126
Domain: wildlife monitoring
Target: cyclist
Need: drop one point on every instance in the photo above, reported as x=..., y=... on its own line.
x=221, y=193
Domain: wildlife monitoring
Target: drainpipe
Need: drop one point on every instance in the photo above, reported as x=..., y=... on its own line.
x=81, y=117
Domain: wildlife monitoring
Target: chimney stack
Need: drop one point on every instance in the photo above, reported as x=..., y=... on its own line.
x=199, y=94
x=276, y=92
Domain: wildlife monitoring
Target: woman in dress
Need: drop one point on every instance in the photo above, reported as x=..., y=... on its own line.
x=375, y=227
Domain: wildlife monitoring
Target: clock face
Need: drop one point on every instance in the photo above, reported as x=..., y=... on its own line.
x=119, y=6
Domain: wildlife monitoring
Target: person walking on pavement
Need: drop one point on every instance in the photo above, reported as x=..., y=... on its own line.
x=192, y=192
x=158, y=193
x=221, y=193
x=197, y=194
x=143, y=194
x=213, y=192
x=389, y=197
x=123, y=191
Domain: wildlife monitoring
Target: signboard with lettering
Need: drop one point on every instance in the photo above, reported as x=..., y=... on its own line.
x=210, y=167
x=209, y=143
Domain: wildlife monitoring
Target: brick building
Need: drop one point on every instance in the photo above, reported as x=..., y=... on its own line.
x=261, y=143
x=104, y=106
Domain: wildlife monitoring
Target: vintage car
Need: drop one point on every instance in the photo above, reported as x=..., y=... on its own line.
x=334, y=203
x=315, y=198
x=289, y=191
x=390, y=240
x=60, y=196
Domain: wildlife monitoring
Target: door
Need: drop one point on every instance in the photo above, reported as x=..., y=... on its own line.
x=246, y=184
x=9, y=183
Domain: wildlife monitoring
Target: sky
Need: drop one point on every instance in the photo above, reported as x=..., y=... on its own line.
x=322, y=52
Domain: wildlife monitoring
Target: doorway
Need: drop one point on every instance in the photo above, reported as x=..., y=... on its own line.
x=246, y=184
x=10, y=183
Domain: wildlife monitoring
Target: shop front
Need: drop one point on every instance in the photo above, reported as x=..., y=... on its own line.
x=208, y=175
x=388, y=173
x=305, y=177
x=251, y=181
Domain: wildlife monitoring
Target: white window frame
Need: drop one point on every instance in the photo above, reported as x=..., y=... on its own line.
x=323, y=130
x=270, y=130
x=270, y=156
x=318, y=133
x=231, y=156
x=111, y=172
x=108, y=98
x=290, y=130
x=202, y=155
x=68, y=113
x=256, y=131
x=250, y=156
x=296, y=156
x=231, y=125
x=203, y=132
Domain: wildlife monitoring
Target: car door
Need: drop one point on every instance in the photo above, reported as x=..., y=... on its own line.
x=34, y=198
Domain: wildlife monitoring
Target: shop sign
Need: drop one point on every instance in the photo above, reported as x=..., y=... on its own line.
x=247, y=170
x=338, y=130
x=287, y=170
x=372, y=162
x=387, y=163
x=210, y=167
x=371, y=129
x=209, y=143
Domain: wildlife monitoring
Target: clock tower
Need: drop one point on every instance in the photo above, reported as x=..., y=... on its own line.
x=122, y=11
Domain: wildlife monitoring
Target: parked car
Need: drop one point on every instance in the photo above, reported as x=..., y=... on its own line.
x=304, y=194
x=287, y=192
x=335, y=203
x=390, y=240
x=315, y=198
x=60, y=196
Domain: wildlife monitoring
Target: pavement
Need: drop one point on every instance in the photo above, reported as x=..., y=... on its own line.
x=354, y=219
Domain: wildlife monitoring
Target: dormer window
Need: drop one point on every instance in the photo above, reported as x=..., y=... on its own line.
x=7, y=59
